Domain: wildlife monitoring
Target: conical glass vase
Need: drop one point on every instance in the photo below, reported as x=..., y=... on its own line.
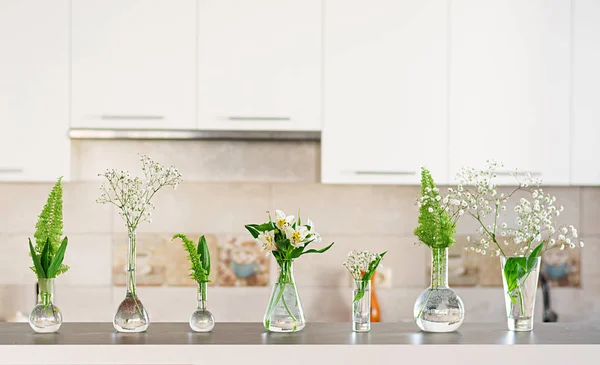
x=439, y=308
x=131, y=316
x=284, y=312
x=45, y=316
x=202, y=320
x=519, y=292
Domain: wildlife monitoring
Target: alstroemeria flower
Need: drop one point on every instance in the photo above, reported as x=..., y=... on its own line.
x=296, y=236
x=315, y=236
x=282, y=221
x=266, y=240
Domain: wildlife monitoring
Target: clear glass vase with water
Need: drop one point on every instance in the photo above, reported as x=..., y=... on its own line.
x=284, y=312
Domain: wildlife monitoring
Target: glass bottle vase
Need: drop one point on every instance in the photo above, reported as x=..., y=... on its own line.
x=131, y=316
x=284, y=312
x=439, y=308
x=361, y=306
x=45, y=316
x=202, y=320
x=520, y=302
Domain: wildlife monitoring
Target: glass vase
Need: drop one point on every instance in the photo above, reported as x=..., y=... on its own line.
x=361, y=306
x=284, y=313
x=131, y=315
x=202, y=320
x=45, y=316
x=439, y=308
x=520, y=302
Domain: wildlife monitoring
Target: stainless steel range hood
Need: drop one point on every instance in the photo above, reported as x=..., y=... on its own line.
x=193, y=134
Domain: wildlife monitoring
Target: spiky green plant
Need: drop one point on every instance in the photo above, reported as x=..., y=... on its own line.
x=436, y=226
x=49, y=250
x=199, y=257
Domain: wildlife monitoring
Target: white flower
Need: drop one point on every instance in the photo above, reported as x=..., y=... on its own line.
x=430, y=210
x=296, y=236
x=282, y=221
x=266, y=240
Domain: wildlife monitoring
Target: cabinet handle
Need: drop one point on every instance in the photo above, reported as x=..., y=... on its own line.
x=510, y=173
x=238, y=118
x=131, y=117
x=405, y=173
x=10, y=170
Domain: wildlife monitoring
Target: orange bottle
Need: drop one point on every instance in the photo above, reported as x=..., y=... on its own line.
x=375, y=312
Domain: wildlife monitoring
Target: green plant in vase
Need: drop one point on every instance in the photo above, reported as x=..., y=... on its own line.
x=439, y=308
x=520, y=244
x=48, y=254
x=132, y=195
x=287, y=239
x=201, y=320
x=362, y=265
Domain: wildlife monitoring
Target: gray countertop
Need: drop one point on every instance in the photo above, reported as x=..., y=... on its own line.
x=313, y=334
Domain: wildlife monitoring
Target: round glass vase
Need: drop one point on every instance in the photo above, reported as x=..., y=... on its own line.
x=520, y=296
x=131, y=316
x=284, y=312
x=361, y=306
x=45, y=316
x=439, y=308
x=202, y=320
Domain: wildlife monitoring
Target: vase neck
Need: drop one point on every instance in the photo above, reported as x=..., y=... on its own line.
x=201, y=295
x=46, y=291
x=439, y=268
x=362, y=285
x=131, y=259
x=286, y=272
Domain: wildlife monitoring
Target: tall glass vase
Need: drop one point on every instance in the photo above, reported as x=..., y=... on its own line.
x=131, y=315
x=284, y=312
x=202, y=320
x=45, y=316
x=520, y=296
x=439, y=308
x=361, y=306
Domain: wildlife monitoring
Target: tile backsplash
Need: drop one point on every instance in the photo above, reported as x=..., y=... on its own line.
x=229, y=184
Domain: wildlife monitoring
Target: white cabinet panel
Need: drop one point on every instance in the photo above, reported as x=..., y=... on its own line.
x=510, y=78
x=133, y=64
x=385, y=91
x=585, y=169
x=259, y=65
x=34, y=90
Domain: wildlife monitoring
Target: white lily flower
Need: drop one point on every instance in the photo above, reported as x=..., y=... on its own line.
x=266, y=240
x=296, y=236
x=282, y=221
x=316, y=238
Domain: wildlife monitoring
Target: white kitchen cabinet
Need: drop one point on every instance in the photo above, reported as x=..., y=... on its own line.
x=585, y=164
x=259, y=65
x=385, y=91
x=509, y=86
x=133, y=64
x=34, y=90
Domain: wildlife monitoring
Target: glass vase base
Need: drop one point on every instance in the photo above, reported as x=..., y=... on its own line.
x=45, y=319
x=284, y=326
x=361, y=327
x=520, y=324
x=131, y=316
x=439, y=310
x=440, y=327
x=202, y=321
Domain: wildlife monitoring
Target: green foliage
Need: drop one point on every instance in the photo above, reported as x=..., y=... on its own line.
x=49, y=250
x=516, y=268
x=199, y=257
x=436, y=228
x=368, y=275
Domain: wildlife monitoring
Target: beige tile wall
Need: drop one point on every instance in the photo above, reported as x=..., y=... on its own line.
x=377, y=218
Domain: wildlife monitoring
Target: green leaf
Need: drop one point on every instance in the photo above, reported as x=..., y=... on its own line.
x=532, y=259
x=204, y=255
x=373, y=267
x=39, y=270
x=318, y=251
x=58, y=259
x=45, y=256
x=197, y=270
x=252, y=228
x=359, y=295
x=296, y=252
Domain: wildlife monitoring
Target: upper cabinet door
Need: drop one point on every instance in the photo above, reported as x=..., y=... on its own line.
x=586, y=93
x=34, y=90
x=259, y=64
x=509, y=86
x=385, y=91
x=133, y=64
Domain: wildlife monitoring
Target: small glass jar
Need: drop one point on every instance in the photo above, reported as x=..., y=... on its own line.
x=361, y=306
x=520, y=302
x=45, y=316
x=202, y=320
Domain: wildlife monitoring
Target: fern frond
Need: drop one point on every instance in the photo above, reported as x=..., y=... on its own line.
x=50, y=222
x=197, y=271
